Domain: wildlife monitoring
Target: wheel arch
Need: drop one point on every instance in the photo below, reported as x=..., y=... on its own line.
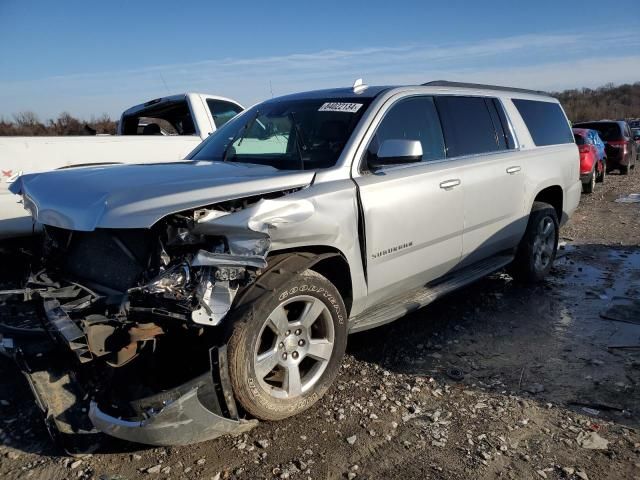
x=554, y=196
x=282, y=264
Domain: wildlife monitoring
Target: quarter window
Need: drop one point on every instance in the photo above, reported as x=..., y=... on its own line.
x=503, y=129
x=413, y=118
x=222, y=111
x=471, y=125
x=546, y=122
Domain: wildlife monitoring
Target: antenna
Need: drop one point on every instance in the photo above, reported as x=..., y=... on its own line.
x=359, y=86
x=165, y=83
x=271, y=88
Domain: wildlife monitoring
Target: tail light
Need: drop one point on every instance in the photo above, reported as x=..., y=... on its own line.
x=619, y=144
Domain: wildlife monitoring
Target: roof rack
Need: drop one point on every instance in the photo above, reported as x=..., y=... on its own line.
x=446, y=83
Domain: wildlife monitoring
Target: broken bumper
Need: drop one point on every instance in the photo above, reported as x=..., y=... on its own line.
x=201, y=409
x=182, y=422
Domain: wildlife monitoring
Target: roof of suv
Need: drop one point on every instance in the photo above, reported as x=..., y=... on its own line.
x=499, y=88
x=601, y=122
x=373, y=91
x=369, y=92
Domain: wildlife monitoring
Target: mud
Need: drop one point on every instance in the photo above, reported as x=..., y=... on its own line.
x=541, y=371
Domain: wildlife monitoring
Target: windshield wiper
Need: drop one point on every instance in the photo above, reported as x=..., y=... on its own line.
x=240, y=135
x=301, y=145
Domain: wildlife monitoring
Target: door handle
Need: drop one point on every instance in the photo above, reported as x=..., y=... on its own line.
x=448, y=184
x=514, y=169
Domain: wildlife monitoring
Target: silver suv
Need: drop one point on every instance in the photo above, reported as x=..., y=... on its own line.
x=196, y=297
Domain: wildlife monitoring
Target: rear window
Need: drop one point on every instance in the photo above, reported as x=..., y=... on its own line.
x=470, y=125
x=160, y=118
x=546, y=122
x=608, y=131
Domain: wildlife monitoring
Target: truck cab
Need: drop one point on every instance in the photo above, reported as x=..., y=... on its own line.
x=198, y=114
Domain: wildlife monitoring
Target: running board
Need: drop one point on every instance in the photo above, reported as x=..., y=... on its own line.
x=400, y=306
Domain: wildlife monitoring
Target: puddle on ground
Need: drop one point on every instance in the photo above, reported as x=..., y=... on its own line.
x=508, y=336
x=631, y=198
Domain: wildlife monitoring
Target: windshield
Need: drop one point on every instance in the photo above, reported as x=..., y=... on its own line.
x=288, y=134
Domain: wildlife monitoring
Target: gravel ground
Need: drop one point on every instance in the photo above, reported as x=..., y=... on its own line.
x=495, y=381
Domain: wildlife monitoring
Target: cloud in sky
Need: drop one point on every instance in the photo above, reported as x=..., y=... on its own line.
x=548, y=62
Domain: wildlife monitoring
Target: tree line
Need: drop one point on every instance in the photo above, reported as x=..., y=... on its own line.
x=28, y=124
x=605, y=102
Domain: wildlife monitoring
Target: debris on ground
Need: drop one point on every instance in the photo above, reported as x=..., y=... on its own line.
x=623, y=309
x=535, y=388
x=592, y=441
x=455, y=374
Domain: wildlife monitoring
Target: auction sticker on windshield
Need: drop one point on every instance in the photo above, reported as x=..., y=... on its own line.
x=340, y=107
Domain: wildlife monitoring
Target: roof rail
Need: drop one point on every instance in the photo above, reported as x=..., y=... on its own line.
x=446, y=83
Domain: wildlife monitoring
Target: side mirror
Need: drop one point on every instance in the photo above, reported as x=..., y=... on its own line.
x=396, y=152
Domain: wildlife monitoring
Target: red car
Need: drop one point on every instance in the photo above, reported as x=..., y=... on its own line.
x=592, y=167
x=620, y=147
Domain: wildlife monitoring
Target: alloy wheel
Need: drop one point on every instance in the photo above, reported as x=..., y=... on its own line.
x=544, y=243
x=294, y=347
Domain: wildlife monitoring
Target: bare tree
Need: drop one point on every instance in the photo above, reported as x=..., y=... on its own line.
x=27, y=124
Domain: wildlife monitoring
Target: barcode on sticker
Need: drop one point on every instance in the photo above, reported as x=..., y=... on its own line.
x=340, y=107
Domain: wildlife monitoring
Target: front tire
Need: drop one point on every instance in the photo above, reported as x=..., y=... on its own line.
x=285, y=349
x=538, y=247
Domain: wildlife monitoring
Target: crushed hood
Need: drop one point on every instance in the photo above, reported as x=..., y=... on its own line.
x=137, y=196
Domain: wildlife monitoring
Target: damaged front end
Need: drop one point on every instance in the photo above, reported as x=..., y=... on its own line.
x=139, y=315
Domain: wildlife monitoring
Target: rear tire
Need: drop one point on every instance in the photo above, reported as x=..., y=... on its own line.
x=286, y=346
x=538, y=247
x=601, y=176
x=624, y=170
x=591, y=184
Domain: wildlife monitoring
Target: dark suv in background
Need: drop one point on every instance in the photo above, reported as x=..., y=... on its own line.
x=620, y=146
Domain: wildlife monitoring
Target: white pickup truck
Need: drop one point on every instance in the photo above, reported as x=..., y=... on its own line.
x=161, y=130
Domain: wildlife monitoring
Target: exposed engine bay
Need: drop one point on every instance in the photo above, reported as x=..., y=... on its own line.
x=126, y=288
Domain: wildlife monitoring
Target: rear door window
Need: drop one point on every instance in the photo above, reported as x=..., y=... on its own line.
x=471, y=125
x=413, y=118
x=222, y=111
x=546, y=122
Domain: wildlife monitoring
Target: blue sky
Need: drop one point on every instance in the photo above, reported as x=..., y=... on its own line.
x=90, y=58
